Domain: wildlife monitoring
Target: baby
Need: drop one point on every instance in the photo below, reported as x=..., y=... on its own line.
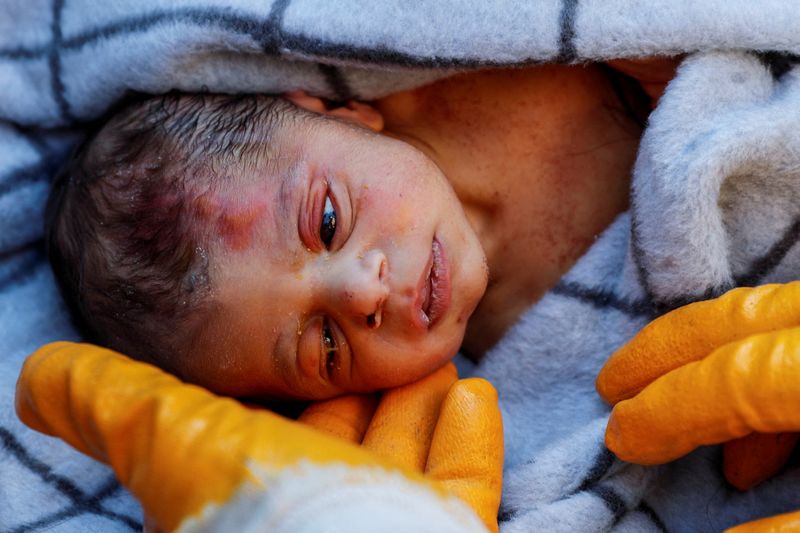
x=291, y=248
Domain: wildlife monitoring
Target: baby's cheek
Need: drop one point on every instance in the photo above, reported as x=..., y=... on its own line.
x=393, y=212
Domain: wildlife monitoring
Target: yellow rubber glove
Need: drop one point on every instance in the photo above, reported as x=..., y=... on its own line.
x=711, y=372
x=782, y=523
x=756, y=457
x=200, y=462
x=418, y=426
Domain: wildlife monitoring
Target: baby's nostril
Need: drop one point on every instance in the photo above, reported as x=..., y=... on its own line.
x=382, y=270
x=374, y=320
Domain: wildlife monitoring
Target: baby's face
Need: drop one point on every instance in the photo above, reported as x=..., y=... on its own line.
x=355, y=271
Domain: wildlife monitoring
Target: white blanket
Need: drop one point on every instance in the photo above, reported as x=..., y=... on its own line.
x=696, y=230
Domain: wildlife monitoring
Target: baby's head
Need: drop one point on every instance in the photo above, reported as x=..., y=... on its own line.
x=263, y=250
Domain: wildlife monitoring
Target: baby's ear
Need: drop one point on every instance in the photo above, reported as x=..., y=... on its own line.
x=357, y=112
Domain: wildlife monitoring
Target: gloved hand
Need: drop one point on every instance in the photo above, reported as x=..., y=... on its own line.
x=201, y=462
x=407, y=429
x=709, y=373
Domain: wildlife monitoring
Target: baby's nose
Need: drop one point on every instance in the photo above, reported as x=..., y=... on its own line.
x=363, y=288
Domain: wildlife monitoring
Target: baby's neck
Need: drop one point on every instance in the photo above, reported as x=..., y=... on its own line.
x=540, y=159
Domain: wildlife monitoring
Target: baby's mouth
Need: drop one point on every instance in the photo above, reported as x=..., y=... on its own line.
x=436, y=290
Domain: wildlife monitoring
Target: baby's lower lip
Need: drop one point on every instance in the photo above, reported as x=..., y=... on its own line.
x=440, y=284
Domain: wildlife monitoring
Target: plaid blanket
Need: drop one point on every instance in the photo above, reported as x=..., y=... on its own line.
x=691, y=232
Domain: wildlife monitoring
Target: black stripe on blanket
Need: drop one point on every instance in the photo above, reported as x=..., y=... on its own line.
x=39, y=171
x=23, y=248
x=612, y=500
x=761, y=267
x=604, y=299
x=54, y=61
x=778, y=63
x=505, y=516
x=266, y=32
x=336, y=82
x=566, y=42
x=23, y=53
x=81, y=502
x=34, y=138
x=648, y=511
x=602, y=464
x=661, y=306
x=24, y=268
x=259, y=29
x=665, y=306
x=110, y=488
x=275, y=27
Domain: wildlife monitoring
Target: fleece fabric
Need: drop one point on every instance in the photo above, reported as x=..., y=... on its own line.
x=714, y=206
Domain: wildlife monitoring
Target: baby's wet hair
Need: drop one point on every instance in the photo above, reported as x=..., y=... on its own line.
x=129, y=249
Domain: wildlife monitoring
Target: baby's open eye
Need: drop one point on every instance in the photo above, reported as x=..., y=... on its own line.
x=327, y=228
x=329, y=346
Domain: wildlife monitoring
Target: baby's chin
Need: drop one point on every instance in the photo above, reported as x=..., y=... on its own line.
x=434, y=362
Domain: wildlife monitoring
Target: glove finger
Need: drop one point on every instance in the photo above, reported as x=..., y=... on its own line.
x=403, y=425
x=746, y=386
x=466, y=454
x=694, y=331
x=346, y=417
x=754, y=458
x=774, y=524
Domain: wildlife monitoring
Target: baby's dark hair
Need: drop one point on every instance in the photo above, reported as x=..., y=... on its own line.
x=125, y=235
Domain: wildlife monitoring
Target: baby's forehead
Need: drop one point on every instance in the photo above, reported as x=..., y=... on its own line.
x=260, y=194
x=234, y=216
x=251, y=184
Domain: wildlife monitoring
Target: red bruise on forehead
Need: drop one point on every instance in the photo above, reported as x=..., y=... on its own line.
x=232, y=219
